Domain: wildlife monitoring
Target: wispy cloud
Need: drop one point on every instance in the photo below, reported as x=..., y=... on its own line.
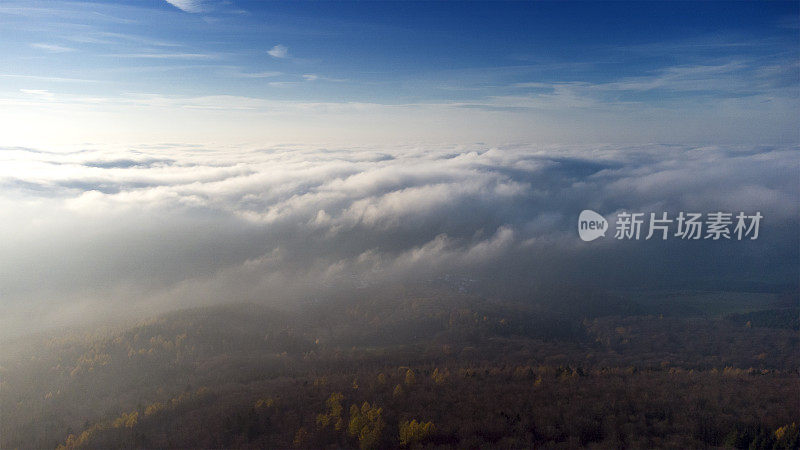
x=52, y=48
x=681, y=85
x=316, y=77
x=279, y=51
x=47, y=78
x=686, y=78
x=257, y=74
x=39, y=93
x=165, y=55
x=190, y=6
x=107, y=38
x=283, y=84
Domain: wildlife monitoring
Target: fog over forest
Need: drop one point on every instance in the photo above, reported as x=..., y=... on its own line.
x=98, y=233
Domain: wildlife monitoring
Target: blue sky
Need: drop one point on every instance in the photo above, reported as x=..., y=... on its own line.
x=252, y=70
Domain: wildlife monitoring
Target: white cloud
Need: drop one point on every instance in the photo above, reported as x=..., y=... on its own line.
x=52, y=48
x=175, y=225
x=283, y=84
x=279, y=51
x=165, y=55
x=40, y=93
x=258, y=74
x=47, y=78
x=190, y=6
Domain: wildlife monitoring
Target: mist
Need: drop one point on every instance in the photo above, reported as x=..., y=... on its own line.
x=99, y=232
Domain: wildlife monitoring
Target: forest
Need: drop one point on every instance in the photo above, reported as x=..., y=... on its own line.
x=435, y=369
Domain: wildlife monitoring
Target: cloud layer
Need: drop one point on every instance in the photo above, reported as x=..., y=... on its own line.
x=157, y=227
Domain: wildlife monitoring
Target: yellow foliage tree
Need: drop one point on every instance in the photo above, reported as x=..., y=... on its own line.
x=300, y=437
x=153, y=408
x=411, y=432
x=410, y=377
x=334, y=413
x=127, y=420
x=440, y=376
x=788, y=436
x=264, y=403
x=366, y=424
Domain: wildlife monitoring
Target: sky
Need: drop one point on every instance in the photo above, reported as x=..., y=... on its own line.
x=157, y=155
x=260, y=71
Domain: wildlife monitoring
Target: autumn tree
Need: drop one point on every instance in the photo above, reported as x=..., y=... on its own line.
x=366, y=424
x=410, y=377
x=413, y=431
x=334, y=413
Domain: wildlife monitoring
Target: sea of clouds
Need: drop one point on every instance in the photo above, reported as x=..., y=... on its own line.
x=107, y=231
